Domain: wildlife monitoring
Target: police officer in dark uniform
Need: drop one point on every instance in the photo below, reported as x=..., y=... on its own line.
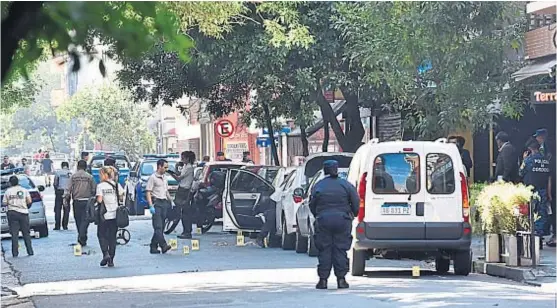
x=536, y=170
x=334, y=202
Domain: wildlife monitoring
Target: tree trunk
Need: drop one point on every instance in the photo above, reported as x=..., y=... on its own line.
x=326, y=136
x=356, y=130
x=269, y=123
x=305, y=142
x=21, y=19
x=329, y=115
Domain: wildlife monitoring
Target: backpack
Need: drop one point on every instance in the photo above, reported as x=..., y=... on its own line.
x=122, y=212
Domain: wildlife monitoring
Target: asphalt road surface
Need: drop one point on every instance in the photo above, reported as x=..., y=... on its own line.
x=221, y=274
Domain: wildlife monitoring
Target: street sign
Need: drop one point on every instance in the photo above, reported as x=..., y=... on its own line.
x=225, y=128
x=263, y=142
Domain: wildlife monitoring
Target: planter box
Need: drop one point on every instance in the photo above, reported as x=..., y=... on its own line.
x=492, y=248
x=509, y=248
x=524, y=248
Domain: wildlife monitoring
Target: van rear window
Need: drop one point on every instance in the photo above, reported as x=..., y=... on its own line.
x=440, y=174
x=396, y=173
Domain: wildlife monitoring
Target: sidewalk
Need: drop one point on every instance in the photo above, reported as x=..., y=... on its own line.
x=543, y=276
x=10, y=280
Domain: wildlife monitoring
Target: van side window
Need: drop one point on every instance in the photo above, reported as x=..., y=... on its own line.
x=396, y=173
x=440, y=174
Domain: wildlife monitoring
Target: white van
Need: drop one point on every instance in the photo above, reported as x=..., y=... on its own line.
x=414, y=203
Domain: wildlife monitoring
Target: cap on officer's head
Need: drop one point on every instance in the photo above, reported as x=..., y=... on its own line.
x=330, y=167
x=541, y=132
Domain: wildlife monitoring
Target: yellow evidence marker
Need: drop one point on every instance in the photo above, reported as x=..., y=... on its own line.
x=194, y=244
x=186, y=250
x=415, y=272
x=37, y=234
x=199, y=231
x=77, y=250
x=266, y=242
x=240, y=240
x=173, y=243
x=239, y=233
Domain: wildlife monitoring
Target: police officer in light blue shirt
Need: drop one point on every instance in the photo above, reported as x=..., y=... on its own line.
x=334, y=202
x=61, y=188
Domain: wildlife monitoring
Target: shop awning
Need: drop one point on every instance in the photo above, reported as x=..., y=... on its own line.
x=534, y=69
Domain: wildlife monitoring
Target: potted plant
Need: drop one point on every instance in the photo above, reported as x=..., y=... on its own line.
x=503, y=209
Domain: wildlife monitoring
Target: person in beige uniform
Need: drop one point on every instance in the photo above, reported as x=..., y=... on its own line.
x=159, y=202
x=18, y=201
x=82, y=188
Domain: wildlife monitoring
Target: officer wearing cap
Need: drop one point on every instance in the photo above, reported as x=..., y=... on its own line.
x=61, y=189
x=333, y=202
x=535, y=171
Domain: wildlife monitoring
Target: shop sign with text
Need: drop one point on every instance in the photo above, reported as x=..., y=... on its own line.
x=544, y=97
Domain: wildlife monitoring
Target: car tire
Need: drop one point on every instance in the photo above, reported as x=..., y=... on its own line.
x=312, y=249
x=288, y=240
x=358, y=262
x=463, y=262
x=274, y=241
x=301, y=242
x=43, y=230
x=442, y=265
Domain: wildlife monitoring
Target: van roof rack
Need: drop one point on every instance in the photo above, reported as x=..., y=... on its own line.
x=441, y=140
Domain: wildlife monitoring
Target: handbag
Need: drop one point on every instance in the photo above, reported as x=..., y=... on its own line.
x=122, y=212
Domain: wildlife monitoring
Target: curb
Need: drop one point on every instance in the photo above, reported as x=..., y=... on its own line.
x=524, y=275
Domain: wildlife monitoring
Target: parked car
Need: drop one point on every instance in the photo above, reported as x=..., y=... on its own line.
x=281, y=176
x=269, y=173
x=96, y=162
x=290, y=196
x=414, y=203
x=37, y=216
x=306, y=231
x=136, y=198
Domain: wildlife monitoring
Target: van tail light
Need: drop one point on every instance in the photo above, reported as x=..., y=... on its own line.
x=35, y=196
x=465, y=201
x=298, y=199
x=362, y=194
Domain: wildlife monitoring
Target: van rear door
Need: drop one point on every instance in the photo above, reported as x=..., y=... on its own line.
x=443, y=206
x=395, y=198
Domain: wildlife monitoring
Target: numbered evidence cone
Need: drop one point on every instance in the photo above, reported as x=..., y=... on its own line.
x=194, y=244
x=415, y=272
x=186, y=250
x=198, y=231
x=240, y=240
x=77, y=250
x=173, y=243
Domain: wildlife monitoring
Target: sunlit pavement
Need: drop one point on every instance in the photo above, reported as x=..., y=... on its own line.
x=221, y=274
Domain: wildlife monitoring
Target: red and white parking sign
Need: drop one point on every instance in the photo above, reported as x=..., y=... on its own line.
x=225, y=128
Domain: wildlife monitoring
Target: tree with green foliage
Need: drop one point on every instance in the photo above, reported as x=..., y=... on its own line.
x=444, y=64
x=109, y=116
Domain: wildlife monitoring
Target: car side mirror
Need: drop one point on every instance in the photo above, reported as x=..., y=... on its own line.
x=40, y=188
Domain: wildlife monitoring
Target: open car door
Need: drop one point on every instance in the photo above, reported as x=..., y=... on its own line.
x=245, y=196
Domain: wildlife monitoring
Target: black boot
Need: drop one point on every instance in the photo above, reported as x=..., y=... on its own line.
x=342, y=284
x=322, y=284
x=260, y=242
x=105, y=260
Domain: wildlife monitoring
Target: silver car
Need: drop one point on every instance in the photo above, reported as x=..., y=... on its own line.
x=37, y=216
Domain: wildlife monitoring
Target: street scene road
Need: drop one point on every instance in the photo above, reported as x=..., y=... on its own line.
x=222, y=274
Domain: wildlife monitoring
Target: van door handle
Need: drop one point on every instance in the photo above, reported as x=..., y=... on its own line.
x=420, y=208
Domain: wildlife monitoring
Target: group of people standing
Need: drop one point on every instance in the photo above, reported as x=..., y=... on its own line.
x=533, y=168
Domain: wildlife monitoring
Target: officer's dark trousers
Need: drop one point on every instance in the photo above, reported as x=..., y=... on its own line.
x=270, y=223
x=79, y=210
x=106, y=232
x=332, y=239
x=19, y=222
x=183, y=197
x=59, y=208
x=161, y=210
x=540, y=208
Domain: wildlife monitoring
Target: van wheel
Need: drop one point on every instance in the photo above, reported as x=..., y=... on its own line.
x=43, y=230
x=463, y=262
x=288, y=240
x=312, y=249
x=358, y=262
x=442, y=265
x=301, y=242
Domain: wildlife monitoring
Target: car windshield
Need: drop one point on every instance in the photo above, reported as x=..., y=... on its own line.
x=24, y=181
x=120, y=163
x=149, y=167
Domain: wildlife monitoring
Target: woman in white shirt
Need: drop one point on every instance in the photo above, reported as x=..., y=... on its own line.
x=111, y=193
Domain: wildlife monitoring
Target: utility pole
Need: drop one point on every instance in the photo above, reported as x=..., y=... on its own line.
x=160, y=143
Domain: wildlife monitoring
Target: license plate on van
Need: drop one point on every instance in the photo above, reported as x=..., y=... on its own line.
x=395, y=209
x=4, y=220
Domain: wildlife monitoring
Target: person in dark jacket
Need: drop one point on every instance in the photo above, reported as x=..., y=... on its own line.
x=333, y=202
x=464, y=153
x=507, y=160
